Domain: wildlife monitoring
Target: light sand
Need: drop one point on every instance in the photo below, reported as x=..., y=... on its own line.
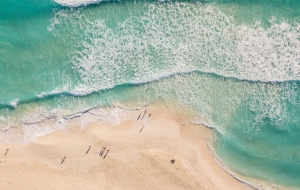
x=135, y=160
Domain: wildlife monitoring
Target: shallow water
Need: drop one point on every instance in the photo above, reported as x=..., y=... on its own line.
x=233, y=64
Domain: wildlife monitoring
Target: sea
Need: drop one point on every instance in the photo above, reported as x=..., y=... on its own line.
x=233, y=64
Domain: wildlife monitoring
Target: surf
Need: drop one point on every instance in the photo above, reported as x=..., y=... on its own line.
x=239, y=77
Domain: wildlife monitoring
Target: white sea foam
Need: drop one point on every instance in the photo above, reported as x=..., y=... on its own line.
x=177, y=38
x=44, y=94
x=204, y=96
x=42, y=120
x=215, y=101
x=76, y=3
x=65, y=88
x=14, y=102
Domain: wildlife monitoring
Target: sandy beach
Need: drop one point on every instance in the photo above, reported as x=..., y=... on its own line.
x=136, y=160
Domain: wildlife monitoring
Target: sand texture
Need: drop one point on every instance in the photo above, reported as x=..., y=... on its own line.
x=136, y=160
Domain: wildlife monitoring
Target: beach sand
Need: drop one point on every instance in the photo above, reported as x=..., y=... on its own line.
x=136, y=160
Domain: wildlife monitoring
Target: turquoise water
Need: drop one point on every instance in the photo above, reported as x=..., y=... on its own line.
x=233, y=64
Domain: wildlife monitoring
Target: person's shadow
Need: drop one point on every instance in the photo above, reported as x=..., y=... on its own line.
x=141, y=129
x=106, y=154
x=88, y=150
x=63, y=160
x=6, y=152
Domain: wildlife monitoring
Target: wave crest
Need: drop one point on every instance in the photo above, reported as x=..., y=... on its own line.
x=177, y=38
x=14, y=103
x=77, y=3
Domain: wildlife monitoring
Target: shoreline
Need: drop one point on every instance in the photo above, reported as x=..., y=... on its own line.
x=139, y=160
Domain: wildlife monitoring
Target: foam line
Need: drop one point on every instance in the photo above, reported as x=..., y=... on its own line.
x=14, y=103
x=177, y=38
x=76, y=3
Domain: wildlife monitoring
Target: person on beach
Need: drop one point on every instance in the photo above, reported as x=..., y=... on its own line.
x=144, y=115
x=88, y=150
x=101, y=153
x=139, y=117
x=149, y=115
x=6, y=152
x=106, y=154
x=142, y=128
x=63, y=160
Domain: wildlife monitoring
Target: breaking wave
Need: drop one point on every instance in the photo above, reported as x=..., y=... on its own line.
x=181, y=37
x=76, y=3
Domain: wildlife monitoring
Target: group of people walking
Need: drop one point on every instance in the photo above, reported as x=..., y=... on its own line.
x=100, y=154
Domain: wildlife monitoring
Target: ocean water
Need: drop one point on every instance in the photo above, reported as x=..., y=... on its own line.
x=235, y=65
